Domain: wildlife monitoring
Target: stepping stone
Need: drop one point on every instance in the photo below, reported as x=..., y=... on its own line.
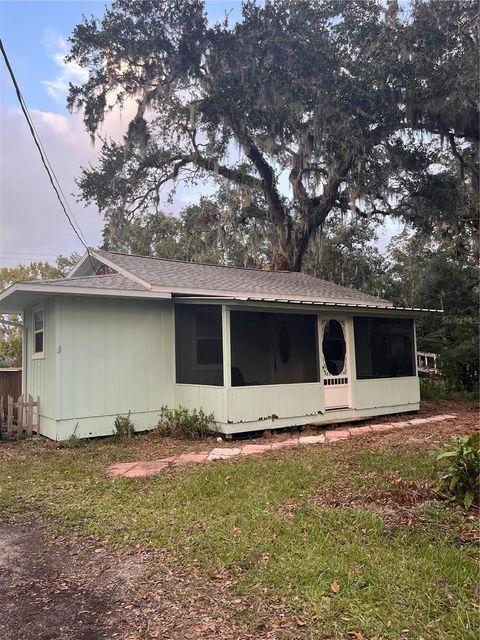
x=293, y=442
x=359, y=430
x=385, y=426
x=312, y=439
x=399, y=425
x=446, y=416
x=144, y=469
x=250, y=449
x=223, y=454
x=418, y=421
x=116, y=470
x=334, y=436
x=187, y=458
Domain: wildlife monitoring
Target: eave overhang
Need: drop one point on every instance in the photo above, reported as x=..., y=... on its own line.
x=18, y=297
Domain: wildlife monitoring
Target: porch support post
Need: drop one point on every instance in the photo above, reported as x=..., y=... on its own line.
x=415, y=348
x=227, y=358
x=352, y=366
x=319, y=348
x=24, y=354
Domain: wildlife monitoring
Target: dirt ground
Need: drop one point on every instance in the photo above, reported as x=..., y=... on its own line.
x=41, y=596
x=69, y=589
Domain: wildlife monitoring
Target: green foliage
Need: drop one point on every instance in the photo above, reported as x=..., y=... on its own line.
x=439, y=389
x=461, y=480
x=10, y=336
x=345, y=252
x=308, y=108
x=10, y=345
x=123, y=426
x=211, y=231
x=182, y=423
x=424, y=271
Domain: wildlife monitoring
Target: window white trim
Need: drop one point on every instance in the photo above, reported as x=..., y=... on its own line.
x=38, y=355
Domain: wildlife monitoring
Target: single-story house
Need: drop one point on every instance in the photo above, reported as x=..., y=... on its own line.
x=258, y=349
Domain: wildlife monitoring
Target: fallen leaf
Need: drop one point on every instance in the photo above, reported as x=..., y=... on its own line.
x=335, y=586
x=300, y=623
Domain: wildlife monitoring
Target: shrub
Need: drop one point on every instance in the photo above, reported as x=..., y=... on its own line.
x=440, y=389
x=461, y=479
x=124, y=427
x=182, y=423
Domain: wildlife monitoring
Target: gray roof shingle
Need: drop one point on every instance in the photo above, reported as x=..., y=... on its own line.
x=110, y=281
x=203, y=279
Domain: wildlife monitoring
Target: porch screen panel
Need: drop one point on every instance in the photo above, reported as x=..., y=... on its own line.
x=384, y=347
x=273, y=348
x=198, y=344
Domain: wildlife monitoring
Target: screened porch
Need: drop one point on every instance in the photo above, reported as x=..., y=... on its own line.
x=249, y=364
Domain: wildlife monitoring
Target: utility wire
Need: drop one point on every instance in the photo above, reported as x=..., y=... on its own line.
x=43, y=155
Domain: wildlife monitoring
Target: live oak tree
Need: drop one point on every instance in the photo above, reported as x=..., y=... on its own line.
x=215, y=230
x=309, y=107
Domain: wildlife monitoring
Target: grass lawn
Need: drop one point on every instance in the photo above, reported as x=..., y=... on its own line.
x=338, y=541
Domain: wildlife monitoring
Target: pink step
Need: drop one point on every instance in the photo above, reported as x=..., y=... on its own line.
x=223, y=453
x=250, y=449
x=336, y=435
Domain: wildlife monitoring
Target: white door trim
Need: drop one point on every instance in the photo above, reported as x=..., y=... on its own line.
x=336, y=386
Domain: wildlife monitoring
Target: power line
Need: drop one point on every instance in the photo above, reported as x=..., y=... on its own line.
x=48, y=168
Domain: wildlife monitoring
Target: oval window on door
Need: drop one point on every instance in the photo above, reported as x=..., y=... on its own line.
x=334, y=347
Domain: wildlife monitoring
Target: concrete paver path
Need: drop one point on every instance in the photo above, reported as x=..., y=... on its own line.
x=150, y=468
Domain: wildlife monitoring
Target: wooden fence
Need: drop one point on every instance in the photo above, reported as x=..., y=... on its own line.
x=10, y=382
x=20, y=418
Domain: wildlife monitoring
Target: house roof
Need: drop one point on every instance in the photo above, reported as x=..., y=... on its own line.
x=142, y=277
x=206, y=279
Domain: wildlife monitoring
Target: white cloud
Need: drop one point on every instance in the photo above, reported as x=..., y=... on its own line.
x=69, y=72
x=32, y=224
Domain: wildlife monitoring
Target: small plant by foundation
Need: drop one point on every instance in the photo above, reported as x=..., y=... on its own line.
x=123, y=426
x=186, y=424
x=73, y=441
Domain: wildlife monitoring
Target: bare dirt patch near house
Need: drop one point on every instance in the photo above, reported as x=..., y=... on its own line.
x=66, y=589
x=44, y=594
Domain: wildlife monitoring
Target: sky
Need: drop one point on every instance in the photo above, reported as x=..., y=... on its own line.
x=32, y=224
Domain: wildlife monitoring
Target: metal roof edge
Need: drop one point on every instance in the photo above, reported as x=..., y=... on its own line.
x=347, y=305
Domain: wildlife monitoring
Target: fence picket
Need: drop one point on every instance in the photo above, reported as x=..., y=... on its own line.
x=20, y=407
x=16, y=418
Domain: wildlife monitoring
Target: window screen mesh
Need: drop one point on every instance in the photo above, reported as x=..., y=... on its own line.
x=384, y=348
x=198, y=344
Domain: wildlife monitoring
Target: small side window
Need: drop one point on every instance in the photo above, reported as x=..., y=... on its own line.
x=38, y=333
